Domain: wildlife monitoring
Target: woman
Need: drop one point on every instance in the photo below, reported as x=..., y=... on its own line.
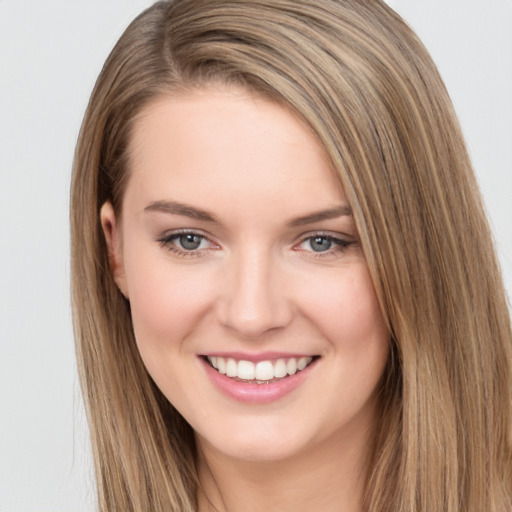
x=284, y=286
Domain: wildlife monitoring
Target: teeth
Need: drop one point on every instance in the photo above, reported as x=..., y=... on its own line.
x=264, y=370
x=221, y=365
x=280, y=369
x=261, y=371
x=302, y=363
x=231, y=368
x=245, y=370
x=291, y=366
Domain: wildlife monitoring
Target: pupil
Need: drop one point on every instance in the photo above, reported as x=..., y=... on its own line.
x=190, y=241
x=321, y=243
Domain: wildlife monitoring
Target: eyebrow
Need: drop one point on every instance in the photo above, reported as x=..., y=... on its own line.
x=330, y=213
x=177, y=208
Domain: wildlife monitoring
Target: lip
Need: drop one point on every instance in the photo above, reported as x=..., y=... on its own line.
x=250, y=392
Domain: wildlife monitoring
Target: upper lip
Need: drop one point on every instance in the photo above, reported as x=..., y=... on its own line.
x=255, y=358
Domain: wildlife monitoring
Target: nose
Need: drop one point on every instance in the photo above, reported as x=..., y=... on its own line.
x=254, y=299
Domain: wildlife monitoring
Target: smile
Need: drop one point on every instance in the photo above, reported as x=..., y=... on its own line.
x=261, y=372
x=258, y=379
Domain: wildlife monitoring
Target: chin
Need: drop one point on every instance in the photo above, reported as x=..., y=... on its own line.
x=254, y=445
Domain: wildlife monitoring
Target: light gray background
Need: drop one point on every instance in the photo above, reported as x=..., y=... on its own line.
x=50, y=55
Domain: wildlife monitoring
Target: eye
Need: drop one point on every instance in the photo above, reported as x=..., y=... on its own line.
x=186, y=243
x=320, y=243
x=324, y=244
x=190, y=241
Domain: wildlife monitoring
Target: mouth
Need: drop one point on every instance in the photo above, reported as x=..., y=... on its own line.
x=261, y=372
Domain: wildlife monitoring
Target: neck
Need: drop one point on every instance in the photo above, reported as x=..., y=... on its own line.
x=328, y=476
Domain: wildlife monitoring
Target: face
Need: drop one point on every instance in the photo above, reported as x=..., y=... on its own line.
x=252, y=305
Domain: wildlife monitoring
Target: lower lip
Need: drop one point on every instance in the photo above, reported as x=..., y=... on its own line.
x=252, y=393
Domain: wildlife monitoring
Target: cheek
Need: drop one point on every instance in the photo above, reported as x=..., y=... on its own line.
x=362, y=313
x=347, y=314
x=166, y=302
x=350, y=319
x=346, y=309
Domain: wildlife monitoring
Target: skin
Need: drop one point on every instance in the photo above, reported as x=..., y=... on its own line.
x=255, y=283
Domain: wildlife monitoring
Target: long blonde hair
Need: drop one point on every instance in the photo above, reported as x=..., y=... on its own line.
x=367, y=88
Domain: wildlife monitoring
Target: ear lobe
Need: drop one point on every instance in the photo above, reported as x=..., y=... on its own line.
x=112, y=239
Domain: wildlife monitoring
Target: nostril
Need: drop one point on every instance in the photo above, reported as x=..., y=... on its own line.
x=257, y=319
x=252, y=301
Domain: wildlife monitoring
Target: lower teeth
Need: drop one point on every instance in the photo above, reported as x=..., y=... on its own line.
x=257, y=381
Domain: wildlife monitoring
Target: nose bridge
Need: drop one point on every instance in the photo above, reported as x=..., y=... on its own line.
x=255, y=301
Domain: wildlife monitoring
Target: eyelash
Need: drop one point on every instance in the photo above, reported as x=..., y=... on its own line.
x=339, y=245
x=168, y=242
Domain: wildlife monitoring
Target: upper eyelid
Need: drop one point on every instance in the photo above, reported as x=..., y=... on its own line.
x=329, y=234
x=184, y=231
x=336, y=239
x=167, y=237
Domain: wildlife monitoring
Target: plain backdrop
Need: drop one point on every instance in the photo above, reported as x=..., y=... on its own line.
x=50, y=55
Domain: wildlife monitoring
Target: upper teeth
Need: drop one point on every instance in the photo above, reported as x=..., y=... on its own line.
x=263, y=370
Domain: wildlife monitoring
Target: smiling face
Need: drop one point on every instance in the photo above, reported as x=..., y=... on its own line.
x=238, y=253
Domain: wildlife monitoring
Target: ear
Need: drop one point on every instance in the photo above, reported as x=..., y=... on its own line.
x=113, y=241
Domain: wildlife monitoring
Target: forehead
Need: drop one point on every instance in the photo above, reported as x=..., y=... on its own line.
x=227, y=145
